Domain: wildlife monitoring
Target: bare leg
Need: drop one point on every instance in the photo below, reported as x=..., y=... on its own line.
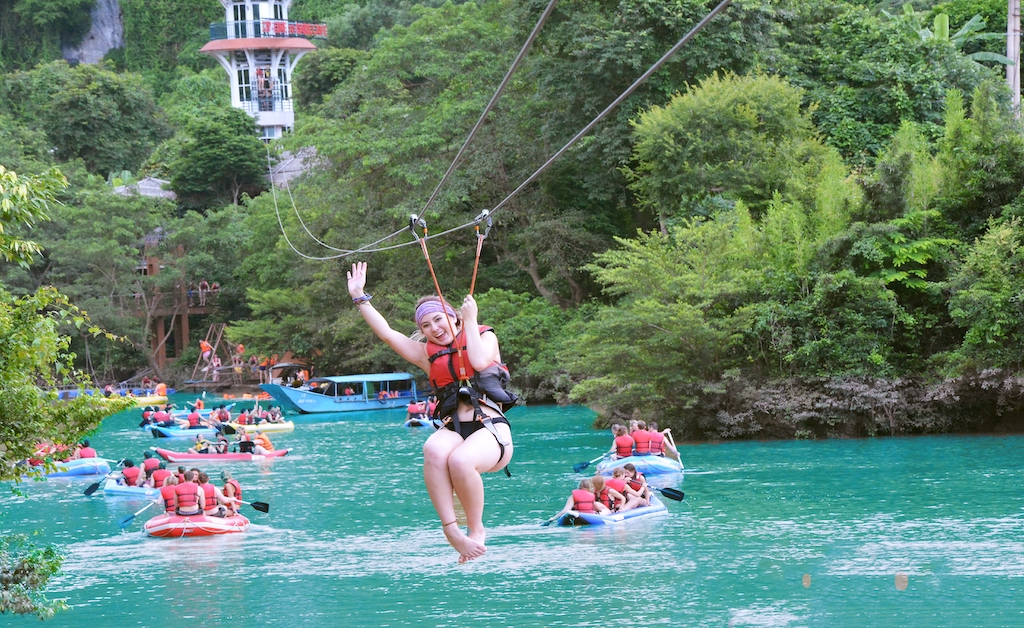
x=436, y=452
x=478, y=454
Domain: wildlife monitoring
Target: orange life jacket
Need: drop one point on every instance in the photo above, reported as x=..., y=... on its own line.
x=583, y=500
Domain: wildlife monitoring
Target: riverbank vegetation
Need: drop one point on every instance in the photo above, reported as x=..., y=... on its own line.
x=807, y=224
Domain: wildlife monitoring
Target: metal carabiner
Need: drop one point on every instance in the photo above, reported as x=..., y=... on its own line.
x=415, y=221
x=484, y=215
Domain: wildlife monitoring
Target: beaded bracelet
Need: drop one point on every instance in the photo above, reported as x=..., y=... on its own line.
x=360, y=300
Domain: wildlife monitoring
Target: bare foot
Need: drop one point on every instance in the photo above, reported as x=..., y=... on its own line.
x=468, y=548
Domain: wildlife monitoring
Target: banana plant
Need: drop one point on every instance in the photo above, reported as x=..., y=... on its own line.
x=971, y=31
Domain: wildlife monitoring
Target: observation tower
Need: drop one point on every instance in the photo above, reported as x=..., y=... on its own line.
x=259, y=48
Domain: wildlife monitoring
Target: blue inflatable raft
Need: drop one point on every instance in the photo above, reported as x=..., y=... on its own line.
x=647, y=465
x=114, y=489
x=174, y=432
x=83, y=466
x=594, y=519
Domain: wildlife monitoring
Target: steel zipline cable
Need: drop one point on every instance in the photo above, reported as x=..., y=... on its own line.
x=465, y=145
x=369, y=248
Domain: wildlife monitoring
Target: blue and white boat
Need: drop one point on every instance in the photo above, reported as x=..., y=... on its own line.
x=594, y=519
x=347, y=393
x=647, y=465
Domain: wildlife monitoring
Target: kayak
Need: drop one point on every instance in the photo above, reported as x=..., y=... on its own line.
x=176, y=432
x=151, y=400
x=113, y=488
x=82, y=466
x=177, y=526
x=594, y=519
x=647, y=465
x=181, y=456
x=286, y=426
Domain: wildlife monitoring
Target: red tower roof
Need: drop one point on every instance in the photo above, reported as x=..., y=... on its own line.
x=291, y=44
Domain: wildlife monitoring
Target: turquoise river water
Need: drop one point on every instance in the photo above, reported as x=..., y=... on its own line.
x=807, y=533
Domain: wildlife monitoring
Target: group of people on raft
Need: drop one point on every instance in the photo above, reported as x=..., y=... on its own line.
x=61, y=453
x=625, y=490
x=185, y=492
x=641, y=439
x=255, y=443
x=161, y=416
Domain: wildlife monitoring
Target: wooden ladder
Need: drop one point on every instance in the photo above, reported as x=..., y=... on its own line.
x=214, y=336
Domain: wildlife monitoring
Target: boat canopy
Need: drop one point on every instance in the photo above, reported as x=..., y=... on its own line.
x=369, y=377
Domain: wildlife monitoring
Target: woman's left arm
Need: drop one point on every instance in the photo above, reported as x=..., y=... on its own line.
x=482, y=348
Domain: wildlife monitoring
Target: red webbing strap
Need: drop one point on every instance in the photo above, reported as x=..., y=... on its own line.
x=461, y=363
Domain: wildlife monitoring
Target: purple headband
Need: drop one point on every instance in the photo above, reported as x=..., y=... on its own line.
x=430, y=307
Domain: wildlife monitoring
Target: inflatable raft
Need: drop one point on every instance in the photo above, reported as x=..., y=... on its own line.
x=177, y=526
x=175, y=432
x=182, y=456
x=647, y=465
x=150, y=400
x=594, y=519
x=419, y=421
x=285, y=426
x=111, y=487
x=83, y=466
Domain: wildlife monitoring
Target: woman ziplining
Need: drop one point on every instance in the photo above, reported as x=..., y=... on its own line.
x=463, y=362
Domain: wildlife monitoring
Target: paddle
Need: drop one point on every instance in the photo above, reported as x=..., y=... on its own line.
x=579, y=466
x=260, y=506
x=124, y=523
x=92, y=488
x=672, y=493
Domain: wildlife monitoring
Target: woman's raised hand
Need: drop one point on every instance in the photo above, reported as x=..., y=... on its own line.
x=357, y=280
x=469, y=308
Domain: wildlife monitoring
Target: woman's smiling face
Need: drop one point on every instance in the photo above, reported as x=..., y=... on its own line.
x=437, y=328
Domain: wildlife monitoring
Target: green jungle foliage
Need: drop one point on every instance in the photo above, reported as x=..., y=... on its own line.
x=809, y=191
x=34, y=361
x=108, y=120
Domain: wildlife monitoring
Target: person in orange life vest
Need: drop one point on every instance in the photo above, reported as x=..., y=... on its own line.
x=582, y=500
x=167, y=493
x=263, y=444
x=159, y=477
x=221, y=446
x=455, y=457
x=161, y=389
x=194, y=420
x=181, y=475
x=659, y=445
x=245, y=443
x=149, y=463
x=130, y=474
x=190, y=497
x=622, y=446
x=163, y=418
x=206, y=349
x=637, y=482
x=232, y=493
x=618, y=483
x=607, y=496
x=85, y=451
x=641, y=440
x=213, y=498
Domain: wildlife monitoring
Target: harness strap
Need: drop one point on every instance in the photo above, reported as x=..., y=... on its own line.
x=487, y=421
